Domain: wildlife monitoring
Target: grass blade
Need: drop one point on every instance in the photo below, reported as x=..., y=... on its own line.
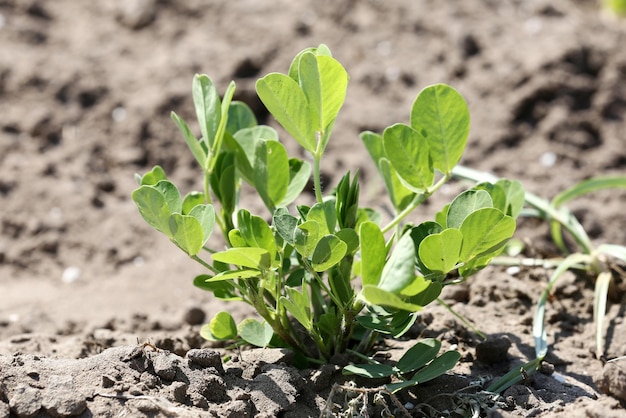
x=588, y=186
x=539, y=330
x=599, y=308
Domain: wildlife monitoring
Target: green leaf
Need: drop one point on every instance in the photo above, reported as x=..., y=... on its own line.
x=298, y=304
x=515, y=196
x=192, y=142
x=440, y=115
x=191, y=200
x=484, y=231
x=376, y=296
x=235, y=274
x=441, y=217
x=417, y=356
x=299, y=175
x=436, y=368
x=347, y=201
x=205, y=215
x=171, y=195
x=399, y=195
x=187, y=233
x=325, y=215
x=153, y=208
x=399, y=270
x=255, y=333
x=324, y=82
x=466, y=203
x=221, y=327
x=373, y=253
x=285, y=225
x=252, y=257
x=286, y=101
x=430, y=293
x=374, y=144
x=235, y=238
x=271, y=172
x=295, y=63
x=309, y=80
x=328, y=252
x=240, y=116
x=334, y=84
x=408, y=152
x=350, y=237
x=372, y=371
x=243, y=143
x=306, y=237
x=153, y=176
x=440, y=252
x=418, y=234
x=207, y=103
x=256, y=232
x=223, y=290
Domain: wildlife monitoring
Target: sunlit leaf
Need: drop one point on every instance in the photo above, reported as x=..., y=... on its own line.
x=256, y=333
x=408, y=152
x=252, y=257
x=328, y=252
x=286, y=101
x=441, y=116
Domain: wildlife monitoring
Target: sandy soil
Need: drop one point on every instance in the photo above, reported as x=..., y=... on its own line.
x=85, y=94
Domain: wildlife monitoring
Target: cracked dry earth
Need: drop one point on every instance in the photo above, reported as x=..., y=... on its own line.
x=98, y=314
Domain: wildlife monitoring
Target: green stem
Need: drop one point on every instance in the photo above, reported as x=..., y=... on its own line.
x=205, y=264
x=462, y=319
x=317, y=184
x=418, y=200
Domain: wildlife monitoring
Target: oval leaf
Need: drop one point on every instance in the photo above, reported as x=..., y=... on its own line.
x=466, y=203
x=417, y=356
x=286, y=101
x=441, y=115
x=408, y=152
x=187, y=233
x=328, y=252
x=399, y=271
x=440, y=252
x=373, y=253
x=376, y=296
x=255, y=332
x=484, y=231
x=222, y=326
x=271, y=172
x=252, y=257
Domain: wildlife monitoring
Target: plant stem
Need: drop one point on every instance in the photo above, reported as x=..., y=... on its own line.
x=418, y=200
x=317, y=184
x=205, y=264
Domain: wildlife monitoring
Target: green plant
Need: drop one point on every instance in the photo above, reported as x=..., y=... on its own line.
x=593, y=260
x=329, y=277
x=418, y=364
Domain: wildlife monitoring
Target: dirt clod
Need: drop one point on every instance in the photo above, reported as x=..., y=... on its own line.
x=493, y=350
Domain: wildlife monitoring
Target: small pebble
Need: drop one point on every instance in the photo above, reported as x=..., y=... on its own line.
x=194, y=316
x=548, y=159
x=118, y=114
x=71, y=274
